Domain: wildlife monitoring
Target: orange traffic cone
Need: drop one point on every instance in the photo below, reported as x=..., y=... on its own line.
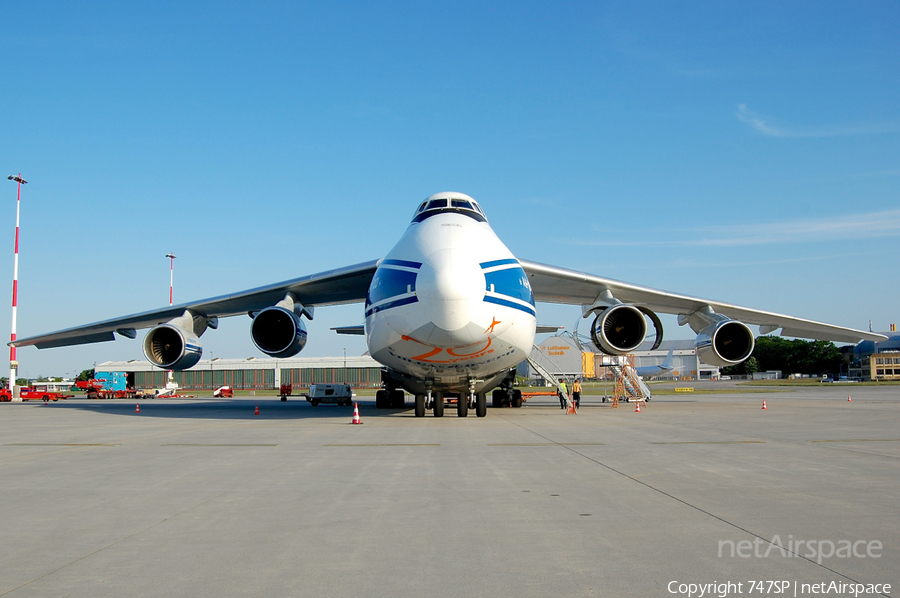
x=571, y=409
x=257, y=410
x=637, y=407
x=764, y=404
x=848, y=398
x=45, y=402
x=137, y=408
x=355, y=414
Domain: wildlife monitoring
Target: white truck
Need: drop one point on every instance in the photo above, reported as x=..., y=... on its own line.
x=342, y=394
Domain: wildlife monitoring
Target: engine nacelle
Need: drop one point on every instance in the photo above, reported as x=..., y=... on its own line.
x=278, y=332
x=724, y=343
x=619, y=329
x=172, y=347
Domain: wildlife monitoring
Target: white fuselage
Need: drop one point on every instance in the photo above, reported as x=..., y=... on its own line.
x=449, y=307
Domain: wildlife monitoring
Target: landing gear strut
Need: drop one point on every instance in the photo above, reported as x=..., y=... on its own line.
x=390, y=398
x=506, y=395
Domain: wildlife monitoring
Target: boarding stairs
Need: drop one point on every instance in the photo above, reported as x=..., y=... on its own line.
x=553, y=380
x=629, y=386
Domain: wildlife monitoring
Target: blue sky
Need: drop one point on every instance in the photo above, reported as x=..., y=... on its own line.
x=746, y=152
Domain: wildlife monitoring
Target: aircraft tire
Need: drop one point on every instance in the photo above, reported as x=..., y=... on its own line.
x=462, y=406
x=398, y=399
x=517, y=399
x=381, y=400
x=480, y=404
x=438, y=399
x=420, y=405
x=497, y=398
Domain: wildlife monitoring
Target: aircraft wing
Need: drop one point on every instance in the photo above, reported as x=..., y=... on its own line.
x=333, y=287
x=559, y=285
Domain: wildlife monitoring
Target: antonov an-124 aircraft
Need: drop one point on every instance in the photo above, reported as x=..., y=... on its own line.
x=448, y=311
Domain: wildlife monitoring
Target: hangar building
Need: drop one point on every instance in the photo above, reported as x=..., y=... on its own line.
x=253, y=373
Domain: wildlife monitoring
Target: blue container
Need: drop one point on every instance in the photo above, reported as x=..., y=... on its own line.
x=112, y=380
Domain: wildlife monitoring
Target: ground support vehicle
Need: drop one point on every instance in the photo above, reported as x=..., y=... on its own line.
x=224, y=392
x=96, y=389
x=29, y=394
x=342, y=394
x=286, y=390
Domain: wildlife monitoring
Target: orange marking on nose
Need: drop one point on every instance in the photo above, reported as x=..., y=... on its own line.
x=491, y=327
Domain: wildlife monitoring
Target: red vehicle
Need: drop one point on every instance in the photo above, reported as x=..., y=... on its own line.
x=30, y=394
x=93, y=389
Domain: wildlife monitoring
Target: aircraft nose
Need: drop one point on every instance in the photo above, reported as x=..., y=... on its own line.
x=451, y=285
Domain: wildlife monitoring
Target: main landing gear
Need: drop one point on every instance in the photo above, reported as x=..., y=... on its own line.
x=390, y=399
x=437, y=403
x=506, y=395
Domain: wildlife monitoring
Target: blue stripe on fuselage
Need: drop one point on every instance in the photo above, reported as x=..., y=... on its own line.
x=404, y=263
x=486, y=265
x=512, y=304
x=396, y=303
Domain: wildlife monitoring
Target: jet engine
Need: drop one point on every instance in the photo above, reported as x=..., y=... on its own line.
x=723, y=343
x=278, y=332
x=172, y=347
x=619, y=329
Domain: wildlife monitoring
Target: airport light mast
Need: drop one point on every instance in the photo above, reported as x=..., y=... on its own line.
x=13, y=364
x=171, y=257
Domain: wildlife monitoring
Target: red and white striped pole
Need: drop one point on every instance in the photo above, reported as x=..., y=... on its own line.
x=13, y=364
x=171, y=257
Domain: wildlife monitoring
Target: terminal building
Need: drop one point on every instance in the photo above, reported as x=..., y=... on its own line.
x=883, y=366
x=875, y=361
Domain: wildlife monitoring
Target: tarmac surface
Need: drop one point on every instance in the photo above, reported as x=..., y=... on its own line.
x=202, y=498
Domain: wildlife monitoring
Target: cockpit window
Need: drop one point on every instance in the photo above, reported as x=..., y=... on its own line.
x=456, y=205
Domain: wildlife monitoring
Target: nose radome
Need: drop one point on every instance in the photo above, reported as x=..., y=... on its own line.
x=451, y=283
